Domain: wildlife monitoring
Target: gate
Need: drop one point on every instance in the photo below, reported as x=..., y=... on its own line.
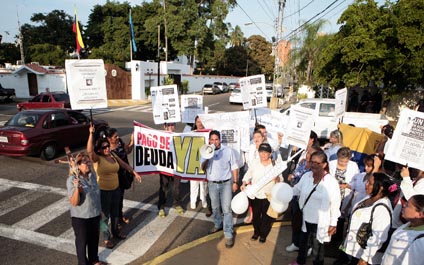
x=118, y=82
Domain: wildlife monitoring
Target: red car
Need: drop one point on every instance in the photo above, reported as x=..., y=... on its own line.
x=46, y=100
x=46, y=132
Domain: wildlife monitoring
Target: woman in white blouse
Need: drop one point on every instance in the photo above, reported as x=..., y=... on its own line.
x=262, y=223
x=407, y=242
x=378, y=206
x=320, y=210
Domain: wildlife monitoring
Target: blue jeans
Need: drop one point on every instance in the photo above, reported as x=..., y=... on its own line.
x=221, y=195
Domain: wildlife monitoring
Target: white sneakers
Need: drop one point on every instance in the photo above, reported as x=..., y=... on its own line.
x=292, y=248
x=193, y=206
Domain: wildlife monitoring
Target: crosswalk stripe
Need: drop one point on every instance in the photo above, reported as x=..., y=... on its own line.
x=61, y=244
x=42, y=217
x=19, y=200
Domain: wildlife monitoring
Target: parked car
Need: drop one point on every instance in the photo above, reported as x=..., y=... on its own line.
x=7, y=94
x=231, y=86
x=268, y=89
x=235, y=96
x=46, y=132
x=223, y=87
x=46, y=100
x=210, y=89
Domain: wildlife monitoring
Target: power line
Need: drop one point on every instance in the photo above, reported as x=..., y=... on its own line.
x=298, y=11
x=305, y=23
x=268, y=9
x=252, y=20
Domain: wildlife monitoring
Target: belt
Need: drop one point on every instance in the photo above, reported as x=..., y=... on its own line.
x=220, y=181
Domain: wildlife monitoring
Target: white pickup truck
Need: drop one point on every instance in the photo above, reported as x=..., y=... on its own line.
x=325, y=120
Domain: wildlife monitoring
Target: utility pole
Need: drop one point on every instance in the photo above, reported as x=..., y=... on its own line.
x=21, y=40
x=166, y=31
x=159, y=55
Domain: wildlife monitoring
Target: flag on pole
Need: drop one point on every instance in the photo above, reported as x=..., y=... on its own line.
x=76, y=30
x=132, y=34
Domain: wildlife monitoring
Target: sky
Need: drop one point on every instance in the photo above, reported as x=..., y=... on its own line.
x=262, y=12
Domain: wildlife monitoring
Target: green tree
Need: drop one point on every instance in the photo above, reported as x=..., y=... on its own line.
x=48, y=54
x=54, y=28
x=9, y=53
x=260, y=60
x=236, y=37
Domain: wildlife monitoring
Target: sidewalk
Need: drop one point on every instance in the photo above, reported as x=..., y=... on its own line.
x=210, y=250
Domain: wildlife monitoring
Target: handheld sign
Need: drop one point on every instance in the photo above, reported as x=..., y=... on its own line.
x=253, y=92
x=165, y=104
x=191, y=106
x=86, y=83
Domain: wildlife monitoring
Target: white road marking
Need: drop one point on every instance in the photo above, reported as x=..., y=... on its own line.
x=19, y=200
x=42, y=217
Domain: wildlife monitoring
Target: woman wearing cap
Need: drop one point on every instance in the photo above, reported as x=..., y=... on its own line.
x=84, y=196
x=107, y=166
x=262, y=223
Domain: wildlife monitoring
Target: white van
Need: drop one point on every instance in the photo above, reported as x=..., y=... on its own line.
x=325, y=120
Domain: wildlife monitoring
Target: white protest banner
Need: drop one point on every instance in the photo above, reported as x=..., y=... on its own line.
x=86, y=83
x=274, y=121
x=340, y=107
x=165, y=104
x=174, y=154
x=234, y=129
x=300, y=126
x=253, y=92
x=191, y=106
x=407, y=144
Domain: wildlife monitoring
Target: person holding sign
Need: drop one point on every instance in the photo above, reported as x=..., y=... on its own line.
x=106, y=165
x=169, y=184
x=196, y=185
x=222, y=174
x=262, y=222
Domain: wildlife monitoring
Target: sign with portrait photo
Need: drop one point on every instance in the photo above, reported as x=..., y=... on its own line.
x=253, y=92
x=165, y=104
x=407, y=144
x=86, y=83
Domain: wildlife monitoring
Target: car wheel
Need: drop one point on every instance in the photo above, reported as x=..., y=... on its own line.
x=48, y=152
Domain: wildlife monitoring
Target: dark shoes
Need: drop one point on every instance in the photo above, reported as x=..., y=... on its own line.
x=215, y=229
x=262, y=240
x=208, y=212
x=254, y=237
x=229, y=243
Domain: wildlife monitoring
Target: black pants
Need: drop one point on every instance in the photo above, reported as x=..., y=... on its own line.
x=109, y=200
x=169, y=185
x=296, y=221
x=86, y=239
x=121, y=203
x=262, y=222
x=317, y=247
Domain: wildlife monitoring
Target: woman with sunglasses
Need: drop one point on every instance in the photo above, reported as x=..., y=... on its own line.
x=320, y=206
x=84, y=196
x=122, y=150
x=107, y=166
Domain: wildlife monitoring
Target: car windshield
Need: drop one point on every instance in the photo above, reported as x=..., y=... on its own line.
x=24, y=119
x=236, y=90
x=61, y=97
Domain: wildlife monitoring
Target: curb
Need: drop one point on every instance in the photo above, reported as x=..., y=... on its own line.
x=126, y=102
x=240, y=229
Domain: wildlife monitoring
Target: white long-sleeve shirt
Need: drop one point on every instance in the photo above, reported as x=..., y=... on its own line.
x=402, y=246
x=408, y=190
x=380, y=229
x=322, y=207
x=257, y=171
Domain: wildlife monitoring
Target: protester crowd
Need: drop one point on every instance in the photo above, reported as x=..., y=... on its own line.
x=375, y=217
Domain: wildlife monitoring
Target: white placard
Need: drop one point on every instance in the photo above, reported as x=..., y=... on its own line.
x=165, y=104
x=340, y=107
x=191, y=106
x=253, y=92
x=407, y=144
x=274, y=121
x=300, y=126
x=86, y=83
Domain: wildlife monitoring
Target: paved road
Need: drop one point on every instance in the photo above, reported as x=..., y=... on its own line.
x=35, y=226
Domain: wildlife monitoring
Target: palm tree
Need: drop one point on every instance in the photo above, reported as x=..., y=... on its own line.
x=236, y=37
